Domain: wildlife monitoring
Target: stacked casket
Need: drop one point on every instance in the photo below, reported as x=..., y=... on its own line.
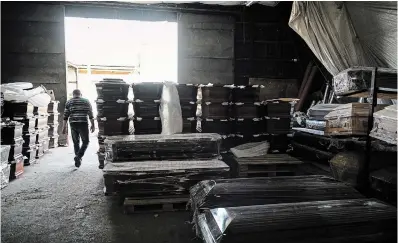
x=42, y=128
x=24, y=113
x=214, y=110
x=349, y=119
x=188, y=97
x=53, y=123
x=348, y=220
x=247, y=114
x=316, y=115
x=157, y=165
x=11, y=134
x=4, y=165
x=385, y=125
x=146, y=107
x=112, y=108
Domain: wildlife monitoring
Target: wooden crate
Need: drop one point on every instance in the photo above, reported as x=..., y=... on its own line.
x=155, y=204
x=268, y=165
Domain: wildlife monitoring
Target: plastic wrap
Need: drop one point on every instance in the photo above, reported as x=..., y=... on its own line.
x=352, y=220
x=357, y=79
x=240, y=192
x=4, y=153
x=317, y=125
x=385, y=125
x=343, y=35
x=4, y=175
x=170, y=110
x=157, y=147
x=159, y=178
x=16, y=92
x=251, y=149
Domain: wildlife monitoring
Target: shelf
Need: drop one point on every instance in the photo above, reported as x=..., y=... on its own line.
x=382, y=93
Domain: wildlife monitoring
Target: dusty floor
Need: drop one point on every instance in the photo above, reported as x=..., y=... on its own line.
x=55, y=202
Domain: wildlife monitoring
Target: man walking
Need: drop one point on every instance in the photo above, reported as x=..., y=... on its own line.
x=76, y=110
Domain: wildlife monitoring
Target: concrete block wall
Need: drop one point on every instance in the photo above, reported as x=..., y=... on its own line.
x=33, y=46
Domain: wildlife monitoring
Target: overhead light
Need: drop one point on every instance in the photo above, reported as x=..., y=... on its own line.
x=249, y=3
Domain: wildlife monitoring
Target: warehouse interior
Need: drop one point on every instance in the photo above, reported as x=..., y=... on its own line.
x=215, y=122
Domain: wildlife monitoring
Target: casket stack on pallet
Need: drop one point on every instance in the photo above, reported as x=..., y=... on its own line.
x=247, y=114
x=214, y=110
x=146, y=107
x=11, y=134
x=188, y=97
x=262, y=191
x=42, y=128
x=53, y=123
x=112, y=107
x=154, y=172
x=5, y=166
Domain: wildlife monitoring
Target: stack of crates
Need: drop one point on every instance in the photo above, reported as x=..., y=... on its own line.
x=112, y=107
x=247, y=113
x=42, y=139
x=188, y=97
x=146, y=107
x=53, y=123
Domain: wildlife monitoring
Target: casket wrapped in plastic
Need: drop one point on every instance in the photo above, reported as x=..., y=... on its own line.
x=159, y=147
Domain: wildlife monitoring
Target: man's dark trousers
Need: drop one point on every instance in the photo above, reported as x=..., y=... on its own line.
x=80, y=130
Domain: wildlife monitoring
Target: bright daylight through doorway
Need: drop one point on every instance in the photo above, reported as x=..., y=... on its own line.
x=135, y=51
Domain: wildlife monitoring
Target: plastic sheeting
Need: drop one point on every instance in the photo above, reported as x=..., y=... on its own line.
x=354, y=220
x=343, y=35
x=251, y=149
x=170, y=110
x=17, y=92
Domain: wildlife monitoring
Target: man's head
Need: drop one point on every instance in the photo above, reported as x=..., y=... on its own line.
x=76, y=93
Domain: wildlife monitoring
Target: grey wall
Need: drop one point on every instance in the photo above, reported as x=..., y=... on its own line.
x=33, y=46
x=205, y=49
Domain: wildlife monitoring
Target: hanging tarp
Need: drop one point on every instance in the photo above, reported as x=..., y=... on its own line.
x=343, y=35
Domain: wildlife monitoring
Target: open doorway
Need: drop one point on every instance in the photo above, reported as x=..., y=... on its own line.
x=135, y=51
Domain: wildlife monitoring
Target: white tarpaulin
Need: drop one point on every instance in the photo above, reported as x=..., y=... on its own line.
x=347, y=34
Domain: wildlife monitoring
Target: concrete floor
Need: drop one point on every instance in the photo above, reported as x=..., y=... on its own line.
x=55, y=202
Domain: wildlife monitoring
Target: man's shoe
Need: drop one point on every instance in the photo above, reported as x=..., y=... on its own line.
x=78, y=161
x=101, y=166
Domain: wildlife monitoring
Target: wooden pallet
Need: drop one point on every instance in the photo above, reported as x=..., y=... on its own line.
x=269, y=165
x=155, y=204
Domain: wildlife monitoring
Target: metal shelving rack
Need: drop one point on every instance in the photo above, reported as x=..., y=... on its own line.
x=374, y=92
